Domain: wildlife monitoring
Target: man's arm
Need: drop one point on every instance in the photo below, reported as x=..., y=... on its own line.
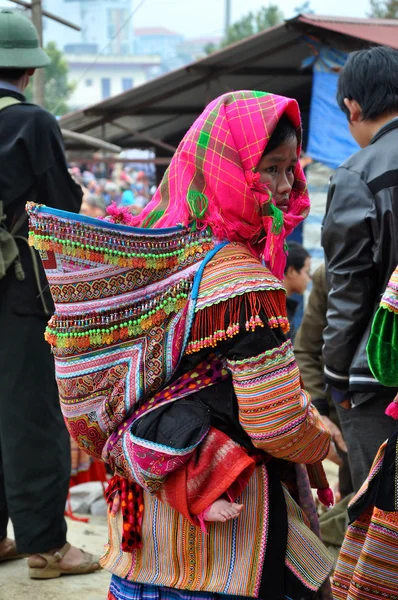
x=347, y=239
x=55, y=186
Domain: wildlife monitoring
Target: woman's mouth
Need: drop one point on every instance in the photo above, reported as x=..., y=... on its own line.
x=282, y=204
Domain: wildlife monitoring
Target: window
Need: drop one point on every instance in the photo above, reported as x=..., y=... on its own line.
x=89, y=82
x=127, y=83
x=105, y=87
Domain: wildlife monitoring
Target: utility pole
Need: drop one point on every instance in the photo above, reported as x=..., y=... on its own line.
x=227, y=15
x=39, y=78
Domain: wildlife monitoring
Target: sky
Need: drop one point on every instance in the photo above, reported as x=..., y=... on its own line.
x=205, y=18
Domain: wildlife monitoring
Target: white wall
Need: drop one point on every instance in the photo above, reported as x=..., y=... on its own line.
x=89, y=88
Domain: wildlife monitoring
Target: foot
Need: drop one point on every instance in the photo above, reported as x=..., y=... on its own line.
x=8, y=550
x=73, y=558
x=222, y=510
x=7, y=546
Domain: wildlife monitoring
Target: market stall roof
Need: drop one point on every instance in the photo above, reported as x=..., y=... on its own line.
x=157, y=113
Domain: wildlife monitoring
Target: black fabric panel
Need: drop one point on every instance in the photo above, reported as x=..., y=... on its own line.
x=381, y=490
x=383, y=181
x=295, y=590
x=221, y=398
x=387, y=490
x=272, y=580
x=180, y=424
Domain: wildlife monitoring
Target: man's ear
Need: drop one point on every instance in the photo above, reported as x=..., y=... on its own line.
x=290, y=271
x=354, y=109
x=30, y=72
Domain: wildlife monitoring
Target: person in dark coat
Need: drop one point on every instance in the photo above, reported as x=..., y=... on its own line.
x=360, y=242
x=34, y=443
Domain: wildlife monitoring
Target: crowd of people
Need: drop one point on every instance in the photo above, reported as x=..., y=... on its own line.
x=126, y=187
x=168, y=347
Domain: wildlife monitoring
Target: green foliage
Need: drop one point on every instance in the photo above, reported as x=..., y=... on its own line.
x=304, y=8
x=252, y=23
x=384, y=9
x=57, y=90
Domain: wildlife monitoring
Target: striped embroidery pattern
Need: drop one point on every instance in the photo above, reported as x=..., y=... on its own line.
x=367, y=568
x=309, y=561
x=375, y=469
x=234, y=271
x=273, y=408
x=227, y=560
x=234, y=282
x=390, y=296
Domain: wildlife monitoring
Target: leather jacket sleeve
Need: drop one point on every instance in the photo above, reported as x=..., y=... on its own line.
x=348, y=238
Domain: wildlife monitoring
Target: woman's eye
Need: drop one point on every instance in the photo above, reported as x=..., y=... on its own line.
x=271, y=169
x=291, y=168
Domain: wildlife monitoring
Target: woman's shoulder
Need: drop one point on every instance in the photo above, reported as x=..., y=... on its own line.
x=233, y=271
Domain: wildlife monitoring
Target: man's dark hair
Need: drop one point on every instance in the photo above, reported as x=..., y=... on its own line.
x=11, y=74
x=296, y=257
x=370, y=77
x=285, y=130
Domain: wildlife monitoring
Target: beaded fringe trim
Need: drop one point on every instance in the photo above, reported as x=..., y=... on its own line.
x=101, y=245
x=210, y=324
x=81, y=332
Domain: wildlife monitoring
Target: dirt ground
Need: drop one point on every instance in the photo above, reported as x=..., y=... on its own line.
x=16, y=585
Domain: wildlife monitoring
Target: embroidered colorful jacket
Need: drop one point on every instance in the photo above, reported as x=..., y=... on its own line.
x=138, y=313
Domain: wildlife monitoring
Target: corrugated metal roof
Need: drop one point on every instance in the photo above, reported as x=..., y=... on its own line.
x=383, y=32
x=160, y=111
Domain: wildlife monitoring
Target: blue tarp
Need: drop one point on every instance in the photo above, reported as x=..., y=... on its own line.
x=329, y=141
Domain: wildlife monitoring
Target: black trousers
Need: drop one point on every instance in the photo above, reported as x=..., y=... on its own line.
x=365, y=428
x=34, y=442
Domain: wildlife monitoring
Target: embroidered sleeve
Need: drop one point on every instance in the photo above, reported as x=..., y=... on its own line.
x=274, y=409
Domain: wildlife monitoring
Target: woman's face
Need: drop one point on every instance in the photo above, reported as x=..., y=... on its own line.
x=277, y=171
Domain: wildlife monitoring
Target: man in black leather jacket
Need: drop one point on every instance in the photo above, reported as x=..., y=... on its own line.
x=34, y=443
x=361, y=247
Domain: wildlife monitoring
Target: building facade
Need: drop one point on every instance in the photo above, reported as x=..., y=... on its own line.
x=159, y=40
x=106, y=25
x=108, y=76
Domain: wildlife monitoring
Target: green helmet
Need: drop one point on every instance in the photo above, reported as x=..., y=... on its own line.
x=19, y=43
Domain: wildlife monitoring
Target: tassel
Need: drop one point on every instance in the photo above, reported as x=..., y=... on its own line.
x=201, y=518
x=277, y=218
x=198, y=204
x=326, y=496
x=211, y=326
x=392, y=410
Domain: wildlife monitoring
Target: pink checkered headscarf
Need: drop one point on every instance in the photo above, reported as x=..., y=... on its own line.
x=211, y=181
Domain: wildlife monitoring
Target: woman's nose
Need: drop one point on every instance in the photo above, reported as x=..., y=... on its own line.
x=283, y=185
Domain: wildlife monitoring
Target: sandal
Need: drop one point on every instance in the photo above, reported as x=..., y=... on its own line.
x=11, y=553
x=52, y=569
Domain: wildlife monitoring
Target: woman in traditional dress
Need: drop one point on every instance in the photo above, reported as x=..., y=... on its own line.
x=367, y=567
x=172, y=363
